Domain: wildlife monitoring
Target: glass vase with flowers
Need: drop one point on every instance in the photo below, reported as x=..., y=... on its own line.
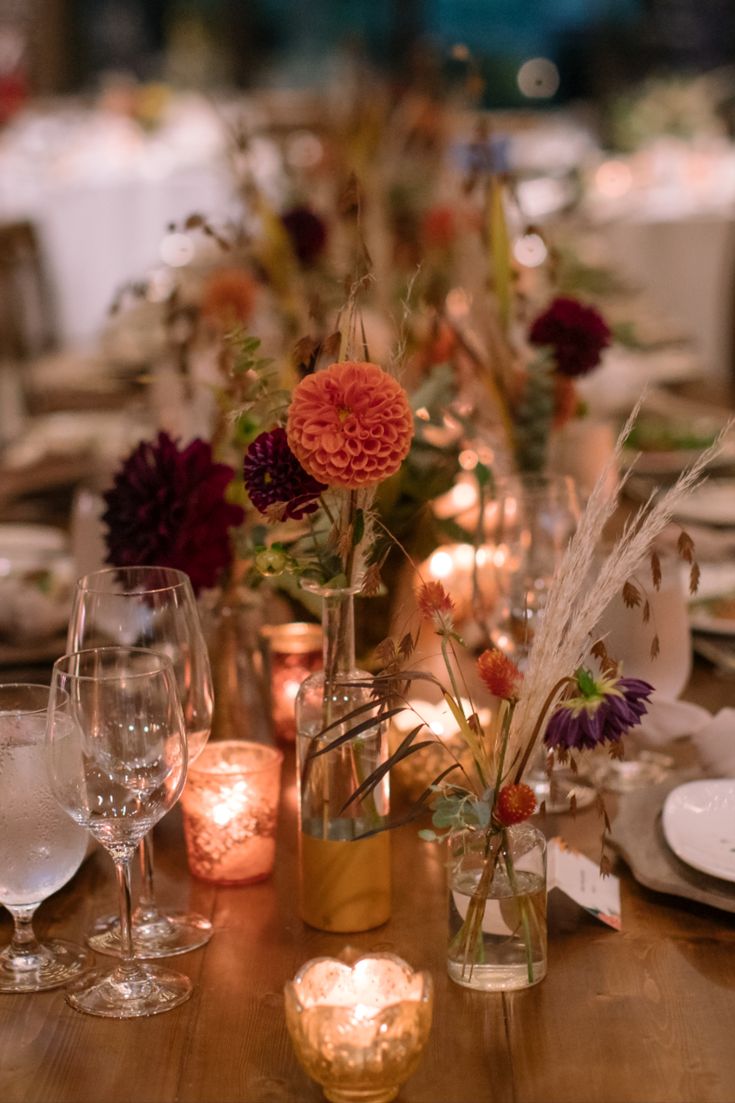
x=572, y=697
x=348, y=427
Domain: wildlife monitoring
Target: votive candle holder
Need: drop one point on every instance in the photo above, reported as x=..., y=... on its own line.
x=359, y=1029
x=291, y=652
x=230, y=806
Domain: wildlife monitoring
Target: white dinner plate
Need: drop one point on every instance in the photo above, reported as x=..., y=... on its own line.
x=698, y=822
x=29, y=547
x=712, y=609
x=712, y=504
x=673, y=462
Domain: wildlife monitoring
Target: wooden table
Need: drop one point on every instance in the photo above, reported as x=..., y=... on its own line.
x=642, y=1015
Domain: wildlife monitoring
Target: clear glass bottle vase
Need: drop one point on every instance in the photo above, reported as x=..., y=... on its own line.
x=497, y=908
x=344, y=870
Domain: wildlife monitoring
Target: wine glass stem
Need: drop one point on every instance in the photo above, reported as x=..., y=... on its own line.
x=122, y=871
x=146, y=910
x=23, y=943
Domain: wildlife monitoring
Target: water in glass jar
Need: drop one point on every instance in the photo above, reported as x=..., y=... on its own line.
x=512, y=951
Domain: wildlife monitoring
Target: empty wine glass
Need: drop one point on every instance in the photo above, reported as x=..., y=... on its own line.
x=116, y=754
x=534, y=518
x=40, y=847
x=628, y=642
x=154, y=608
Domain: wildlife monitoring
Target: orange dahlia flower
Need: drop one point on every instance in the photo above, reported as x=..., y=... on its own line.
x=350, y=425
x=228, y=297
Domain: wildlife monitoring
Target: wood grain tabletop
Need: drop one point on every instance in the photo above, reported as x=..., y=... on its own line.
x=645, y=1014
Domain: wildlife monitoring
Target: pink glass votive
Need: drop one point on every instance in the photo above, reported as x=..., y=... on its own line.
x=291, y=652
x=230, y=806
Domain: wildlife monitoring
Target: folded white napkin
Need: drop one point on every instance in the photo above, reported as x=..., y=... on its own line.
x=669, y=719
x=715, y=744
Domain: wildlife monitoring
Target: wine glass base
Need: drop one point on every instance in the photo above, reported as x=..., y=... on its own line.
x=150, y=991
x=627, y=775
x=56, y=963
x=170, y=933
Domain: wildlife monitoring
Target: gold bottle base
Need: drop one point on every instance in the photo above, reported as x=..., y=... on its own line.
x=345, y=884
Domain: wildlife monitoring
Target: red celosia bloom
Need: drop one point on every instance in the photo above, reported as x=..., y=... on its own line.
x=500, y=674
x=228, y=297
x=434, y=601
x=350, y=425
x=308, y=233
x=576, y=334
x=167, y=508
x=515, y=804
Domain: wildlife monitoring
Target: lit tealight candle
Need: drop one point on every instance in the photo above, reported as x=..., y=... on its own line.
x=291, y=652
x=230, y=808
x=359, y=1030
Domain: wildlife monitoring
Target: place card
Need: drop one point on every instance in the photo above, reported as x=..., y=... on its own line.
x=580, y=879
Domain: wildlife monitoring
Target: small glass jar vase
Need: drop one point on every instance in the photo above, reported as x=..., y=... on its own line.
x=344, y=870
x=497, y=908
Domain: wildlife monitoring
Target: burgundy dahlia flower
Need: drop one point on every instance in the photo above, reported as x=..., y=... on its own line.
x=602, y=710
x=575, y=333
x=167, y=508
x=274, y=477
x=308, y=234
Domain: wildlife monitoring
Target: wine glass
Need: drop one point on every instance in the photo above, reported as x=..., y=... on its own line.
x=116, y=755
x=628, y=642
x=154, y=608
x=40, y=848
x=534, y=518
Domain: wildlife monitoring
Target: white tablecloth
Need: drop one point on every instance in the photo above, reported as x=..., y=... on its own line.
x=102, y=192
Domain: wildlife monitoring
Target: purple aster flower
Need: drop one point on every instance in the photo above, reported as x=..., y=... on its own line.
x=603, y=710
x=274, y=477
x=167, y=508
x=576, y=334
x=308, y=234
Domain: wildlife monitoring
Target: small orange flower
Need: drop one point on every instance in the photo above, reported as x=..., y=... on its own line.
x=515, y=804
x=434, y=601
x=228, y=297
x=350, y=425
x=500, y=674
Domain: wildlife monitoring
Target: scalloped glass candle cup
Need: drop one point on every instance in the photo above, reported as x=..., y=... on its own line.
x=359, y=1030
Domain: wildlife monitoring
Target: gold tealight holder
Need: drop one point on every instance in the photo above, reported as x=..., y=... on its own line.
x=359, y=1029
x=291, y=652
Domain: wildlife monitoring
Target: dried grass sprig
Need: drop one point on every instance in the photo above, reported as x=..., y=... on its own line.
x=577, y=600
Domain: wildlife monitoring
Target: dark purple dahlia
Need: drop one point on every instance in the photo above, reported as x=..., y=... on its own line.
x=576, y=334
x=308, y=234
x=602, y=710
x=274, y=477
x=167, y=508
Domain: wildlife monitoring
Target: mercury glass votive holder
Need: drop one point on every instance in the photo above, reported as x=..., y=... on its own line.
x=359, y=1029
x=230, y=806
x=291, y=652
